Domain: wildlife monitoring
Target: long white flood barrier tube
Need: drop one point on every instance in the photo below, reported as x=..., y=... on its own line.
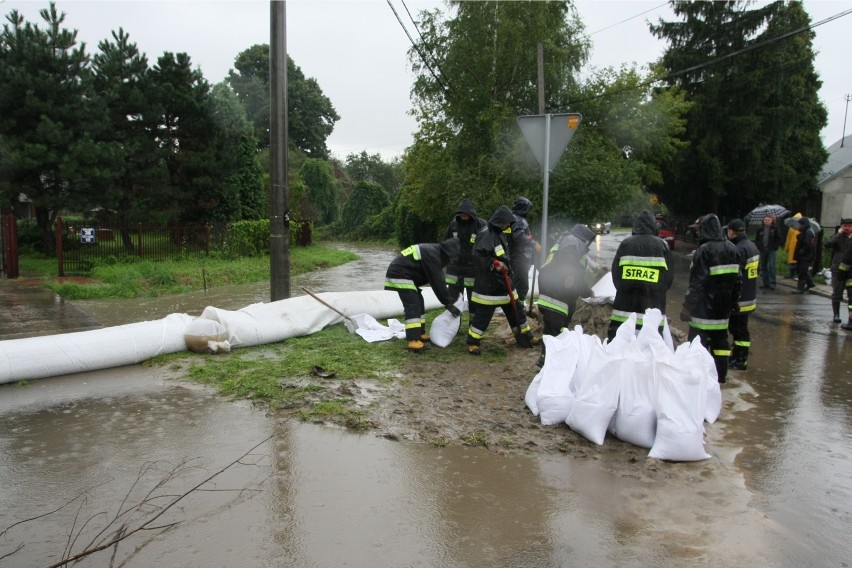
x=53, y=355
x=257, y=324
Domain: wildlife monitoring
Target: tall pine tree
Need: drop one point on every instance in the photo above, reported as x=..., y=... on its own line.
x=721, y=55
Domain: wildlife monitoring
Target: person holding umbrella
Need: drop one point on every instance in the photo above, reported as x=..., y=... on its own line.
x=805, y=255
x=768, y=240
x=492, y=287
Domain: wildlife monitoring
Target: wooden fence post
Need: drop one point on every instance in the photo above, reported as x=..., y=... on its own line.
x=59, y=256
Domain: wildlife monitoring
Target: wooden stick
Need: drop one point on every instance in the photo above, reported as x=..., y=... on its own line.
x=326, y=304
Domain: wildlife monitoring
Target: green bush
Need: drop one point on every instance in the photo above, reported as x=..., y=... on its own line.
x=29, y=236
x=251, y=238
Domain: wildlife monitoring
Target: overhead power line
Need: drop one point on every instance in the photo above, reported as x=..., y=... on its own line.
x=444, y=87
x=625, y=20
x=680, y=72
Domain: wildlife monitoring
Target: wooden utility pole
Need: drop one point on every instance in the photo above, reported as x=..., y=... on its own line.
x=279, y=221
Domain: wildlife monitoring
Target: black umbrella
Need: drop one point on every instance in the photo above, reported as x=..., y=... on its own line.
x=793, y=222
x=757, y=214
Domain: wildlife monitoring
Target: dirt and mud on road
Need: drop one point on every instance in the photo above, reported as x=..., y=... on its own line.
x=479, y=401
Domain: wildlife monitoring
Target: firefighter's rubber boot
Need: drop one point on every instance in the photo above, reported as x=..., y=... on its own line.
x=424, y=337
x=738, y=364
x=417, y=346
x=473, y=349
x=848, y=324
x=835, y=307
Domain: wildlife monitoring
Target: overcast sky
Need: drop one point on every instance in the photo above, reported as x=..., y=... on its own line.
x=357, y=50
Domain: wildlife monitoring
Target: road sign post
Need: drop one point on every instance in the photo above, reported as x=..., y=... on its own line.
x=548, y=135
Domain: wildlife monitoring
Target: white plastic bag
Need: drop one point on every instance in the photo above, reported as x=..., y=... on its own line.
x=681, y=405
x=372, y=331
x=598, y=396
x=446, y=326
x=635, y=419
x=554, y=397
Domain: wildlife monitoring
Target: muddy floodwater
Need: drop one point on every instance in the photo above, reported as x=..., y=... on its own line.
x=119, y=445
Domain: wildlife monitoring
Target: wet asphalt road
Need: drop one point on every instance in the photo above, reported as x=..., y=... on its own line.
x=777, y=491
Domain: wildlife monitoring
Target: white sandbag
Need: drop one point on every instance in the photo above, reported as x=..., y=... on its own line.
x=604, y=288
x=206, y=336
x=531, y=396
x=598, y=397
x=713, y=404
x=586, y=345
x=681, y=404
x=635, y=419
x=445, y=326
x=53, y=355
x=554, y=398
x=623, y=336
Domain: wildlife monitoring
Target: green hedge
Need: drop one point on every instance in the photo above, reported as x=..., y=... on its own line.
x=251, y=238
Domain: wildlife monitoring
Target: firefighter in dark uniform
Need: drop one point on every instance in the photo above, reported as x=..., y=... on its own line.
x=522, y=246
x=641, y=273
x=562, y=279
x=837, y=245
x=844, y=273
x=738, y=322
x=464, y=227
x=714, y=288
x=492, y=269
x=414, y=267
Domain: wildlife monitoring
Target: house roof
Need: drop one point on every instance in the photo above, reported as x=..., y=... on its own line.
x=839, y=159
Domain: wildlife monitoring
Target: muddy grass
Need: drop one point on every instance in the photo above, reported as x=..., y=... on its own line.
x=477, y=401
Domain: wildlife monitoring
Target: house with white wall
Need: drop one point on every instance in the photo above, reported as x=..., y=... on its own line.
x=835, y=183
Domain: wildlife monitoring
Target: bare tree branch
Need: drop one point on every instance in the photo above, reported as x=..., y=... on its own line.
x=120, y=526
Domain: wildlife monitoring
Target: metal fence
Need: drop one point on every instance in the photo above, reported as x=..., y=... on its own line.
x=79, y=248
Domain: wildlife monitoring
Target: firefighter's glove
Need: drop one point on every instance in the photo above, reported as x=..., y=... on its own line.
x=684, y=314
x=538, y=248
x=453, y=310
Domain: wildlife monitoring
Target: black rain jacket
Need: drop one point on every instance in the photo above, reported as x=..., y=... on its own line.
x=562, y=279
x=521, y=245
x=774, y=238
x=837, y=244
x=422, y=264
x=461, y=267
x=492, y=243
x=806, y=248
x=714, y=278
x=641, y=271
x=749, y=263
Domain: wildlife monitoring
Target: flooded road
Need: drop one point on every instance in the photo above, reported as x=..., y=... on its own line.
x=777, y=491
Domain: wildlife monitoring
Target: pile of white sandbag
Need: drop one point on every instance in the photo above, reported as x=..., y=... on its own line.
x=638, y=387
